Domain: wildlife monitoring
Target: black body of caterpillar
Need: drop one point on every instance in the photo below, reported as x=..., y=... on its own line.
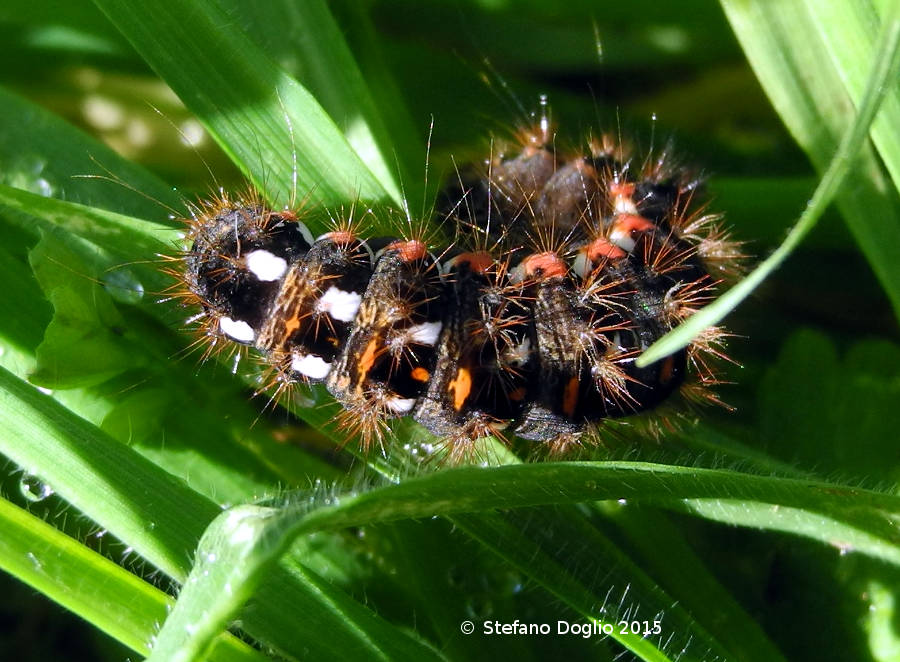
x=565, y=270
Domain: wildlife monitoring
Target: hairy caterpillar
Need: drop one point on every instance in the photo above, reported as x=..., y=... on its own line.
x=565, y=267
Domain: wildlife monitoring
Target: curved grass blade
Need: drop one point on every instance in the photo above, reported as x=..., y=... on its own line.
x=854, y=519
x=885, y=70
x=835, y=512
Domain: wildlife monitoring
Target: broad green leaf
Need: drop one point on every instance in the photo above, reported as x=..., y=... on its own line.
x=104, y=240
x=86, y=327
x=837, y=413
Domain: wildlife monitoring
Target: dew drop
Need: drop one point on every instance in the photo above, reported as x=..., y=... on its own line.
x=27, y=172
x=34, y=489
x=35, y=561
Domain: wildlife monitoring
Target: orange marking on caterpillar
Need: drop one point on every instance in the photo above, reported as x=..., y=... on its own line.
x=460, y=387
x=479, y=262
x=367, y=360
x=340, y=236
x=420, y=374
x=601, y=249
x=409, y=251
x=630, y=222
x=570, y=397
x=291, y=325
x=544, y=265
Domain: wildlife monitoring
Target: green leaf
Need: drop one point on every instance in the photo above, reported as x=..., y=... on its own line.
x=87, y=328
x=823, y=409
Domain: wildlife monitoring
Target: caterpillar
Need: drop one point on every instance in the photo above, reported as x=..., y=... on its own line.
x=564, y=268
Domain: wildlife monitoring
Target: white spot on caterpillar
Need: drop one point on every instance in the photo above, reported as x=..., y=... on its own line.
x=400, y=405
x=622, y=239
x=266, y=266
x=310, y=365
x=305, y=233
x=341, y=305
x=424, y=334
x=581, y=265
x=517, y=274
x=237, y=330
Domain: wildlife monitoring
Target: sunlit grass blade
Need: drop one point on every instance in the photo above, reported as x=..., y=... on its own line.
x=885, y=69
x=78, y=462
x=90, y=585
x=377, y=127
x=265, y=121
x=847, y=29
